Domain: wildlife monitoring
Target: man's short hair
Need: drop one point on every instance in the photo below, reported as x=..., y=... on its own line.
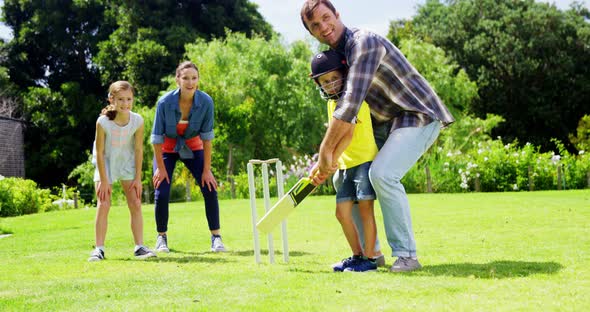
x=310, y=5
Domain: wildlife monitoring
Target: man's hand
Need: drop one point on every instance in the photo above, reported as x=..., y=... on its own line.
x=319, y=176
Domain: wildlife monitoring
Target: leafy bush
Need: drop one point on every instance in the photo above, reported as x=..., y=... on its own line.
x=465, y=158
x=84, y=176
x=19, y=196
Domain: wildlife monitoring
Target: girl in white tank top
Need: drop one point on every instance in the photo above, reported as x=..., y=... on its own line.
x=118, y=155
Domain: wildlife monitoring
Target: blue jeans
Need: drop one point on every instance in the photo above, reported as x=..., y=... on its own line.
x=162, y=194
x=354, y=184
x=399, y=153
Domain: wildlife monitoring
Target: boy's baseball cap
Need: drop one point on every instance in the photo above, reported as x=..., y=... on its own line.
x=325, y=62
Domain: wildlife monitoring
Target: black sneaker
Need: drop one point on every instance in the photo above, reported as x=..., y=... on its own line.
x=96, y=255
x=345, y=263
x=362, y=265
x=143, y=253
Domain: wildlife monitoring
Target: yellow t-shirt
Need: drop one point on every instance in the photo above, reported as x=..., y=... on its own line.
x=362, y=148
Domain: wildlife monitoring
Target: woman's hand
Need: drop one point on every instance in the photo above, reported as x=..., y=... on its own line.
x=159, y=176
x=209, y=180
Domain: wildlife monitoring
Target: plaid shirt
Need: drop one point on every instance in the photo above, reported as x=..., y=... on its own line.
x=380, y=75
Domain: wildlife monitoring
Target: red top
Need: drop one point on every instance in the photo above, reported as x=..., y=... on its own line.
x=194, y=144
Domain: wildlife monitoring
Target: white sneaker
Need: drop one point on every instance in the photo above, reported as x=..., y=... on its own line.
x=217, y=244
x=162, y=244
x=96, y=255
x=144, y=253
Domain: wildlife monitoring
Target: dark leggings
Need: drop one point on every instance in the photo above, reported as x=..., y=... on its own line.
x=162, y=194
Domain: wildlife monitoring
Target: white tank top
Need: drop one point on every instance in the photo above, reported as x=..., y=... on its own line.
x=119, y=148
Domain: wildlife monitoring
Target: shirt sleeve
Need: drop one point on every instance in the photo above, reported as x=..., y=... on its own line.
x=364, y=56
x=206, y=131
x=157, y=136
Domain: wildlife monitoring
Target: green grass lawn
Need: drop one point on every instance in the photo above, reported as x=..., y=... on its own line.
x=480, y=252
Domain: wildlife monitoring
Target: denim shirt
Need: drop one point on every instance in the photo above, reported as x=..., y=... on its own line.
x=168, y=114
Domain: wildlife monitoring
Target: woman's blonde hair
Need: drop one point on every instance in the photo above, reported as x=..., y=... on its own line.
x=110, y=111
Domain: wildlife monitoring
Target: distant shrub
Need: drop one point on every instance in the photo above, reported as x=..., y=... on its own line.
x=20, y=196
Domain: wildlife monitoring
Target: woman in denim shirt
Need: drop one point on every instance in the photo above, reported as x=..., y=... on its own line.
x=183, y=130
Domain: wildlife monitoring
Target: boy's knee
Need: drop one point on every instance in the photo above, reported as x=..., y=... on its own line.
x=341, y=216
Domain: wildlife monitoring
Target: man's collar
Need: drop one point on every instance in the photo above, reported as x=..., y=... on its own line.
x=342, y=42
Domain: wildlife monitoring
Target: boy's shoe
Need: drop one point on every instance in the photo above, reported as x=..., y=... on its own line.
x=144, y=253
x=96, y=255
x=405, y=264
x=380, y=260
x=345, y=263
x=162, y=243
x=217, y=244
x=362, y=265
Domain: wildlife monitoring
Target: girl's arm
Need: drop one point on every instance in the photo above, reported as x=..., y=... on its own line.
x=207, y=177
x=103, y=188
x=136, y=184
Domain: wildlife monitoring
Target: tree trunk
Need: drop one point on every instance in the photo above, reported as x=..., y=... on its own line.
x=559, y=177
x=531, y=179
x=230, y=171
x=428, y=179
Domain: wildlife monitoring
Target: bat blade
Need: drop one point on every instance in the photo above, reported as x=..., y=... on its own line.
x=285, y=205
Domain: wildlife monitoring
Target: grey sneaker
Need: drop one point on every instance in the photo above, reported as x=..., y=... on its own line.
x=405, y=264
x=162, y=244
x=217, y=244
x=144, y=253
x=96, y=255
x=380, y=260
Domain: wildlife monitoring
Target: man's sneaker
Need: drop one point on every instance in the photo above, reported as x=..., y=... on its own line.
x=362, y=265
x=380, y=260
x=217, y=244
x=143, y=253
x=162, y=244
x=345, y=263
x=405, y=264
x=96, y=255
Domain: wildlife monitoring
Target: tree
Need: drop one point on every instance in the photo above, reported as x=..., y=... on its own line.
x=150, y=38
x=265, y=104
x=64, y=55
x=450, y=82
x=529, y=60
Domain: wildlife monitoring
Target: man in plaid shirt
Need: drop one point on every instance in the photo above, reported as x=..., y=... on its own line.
x=407, y=118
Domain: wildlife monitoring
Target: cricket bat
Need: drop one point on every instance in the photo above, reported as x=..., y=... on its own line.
x=285, y=205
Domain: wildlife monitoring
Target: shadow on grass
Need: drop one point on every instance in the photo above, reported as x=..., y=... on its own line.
x=250, y=253
x=492, y=270
x=180, y=256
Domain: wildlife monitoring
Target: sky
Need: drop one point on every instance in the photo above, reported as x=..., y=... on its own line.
x=375, y=15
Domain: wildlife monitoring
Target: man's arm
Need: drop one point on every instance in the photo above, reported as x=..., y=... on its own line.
x=335, y=141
